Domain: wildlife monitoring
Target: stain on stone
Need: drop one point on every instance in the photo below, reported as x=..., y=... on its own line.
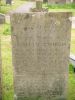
x=32, y=28
x=26, y=16
x=12, y=28
x=25, y=28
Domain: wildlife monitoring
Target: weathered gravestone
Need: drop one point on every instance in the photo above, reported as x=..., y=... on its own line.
x=45, y=1
x=38, y=7
x=2, y=18
x=0, y=74
x=68, y=1
x=41, y=45
x=39, y=4
x=9, y=2
x=73, y=1
x=56, y=1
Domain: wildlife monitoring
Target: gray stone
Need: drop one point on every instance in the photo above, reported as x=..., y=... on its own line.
x=39, y=7
x=68, y=1
x=56, y=1
x=73, y=1
x=45, y=1
x=39, y=4
x=2, y=18
x=9, y=2
x=40, y=47
x=59, y=1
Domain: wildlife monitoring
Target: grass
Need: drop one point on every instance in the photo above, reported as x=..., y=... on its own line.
x=60, y=7
x=7, y=70
x=7, y=8
x=5, y=29
x=71, y=84
x=55, y=7
x=71, y=95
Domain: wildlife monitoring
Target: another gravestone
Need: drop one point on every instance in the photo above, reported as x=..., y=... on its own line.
x=56, y=1
x=68, y=1
x=39, y=4
x=38, y=7
x=41, y=46
x=45, y=1
x=73, y=1
x=9, y=2
x=2, y=18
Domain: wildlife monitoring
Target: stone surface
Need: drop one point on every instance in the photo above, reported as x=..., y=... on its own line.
x=2, y=19
x=9, y=2
x=56, y=1
x=45, y=1
x=40, y=47
x=39, y=4
x=73, y=1
x=68, y=1
x=38, y=7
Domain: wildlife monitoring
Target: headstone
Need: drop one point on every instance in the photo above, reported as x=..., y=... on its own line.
x=68, y=1
x=9, y=2
x=38, y=7
x=45, y=1
x=0, y=75
x=39, y=4
x=40, y=48
x=2, y=18
x=73, y=1
x=56, y=1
